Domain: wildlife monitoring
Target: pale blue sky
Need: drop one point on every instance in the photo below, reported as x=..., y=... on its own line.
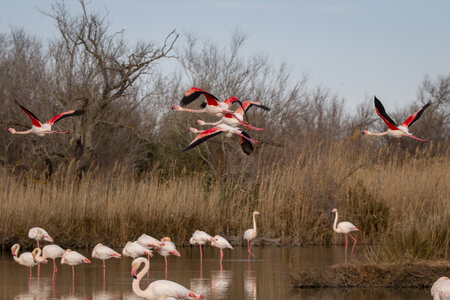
x=356, y=48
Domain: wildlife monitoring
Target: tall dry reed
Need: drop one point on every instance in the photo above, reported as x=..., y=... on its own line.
x=399, y=201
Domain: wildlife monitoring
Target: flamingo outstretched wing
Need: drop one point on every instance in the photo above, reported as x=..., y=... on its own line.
x=63, y=115
x=33, y=118
x=193, y=93
x=415, y=116
x=382, y=113
x=203, y=136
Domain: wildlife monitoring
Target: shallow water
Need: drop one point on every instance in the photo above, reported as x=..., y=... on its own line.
x=262, y=278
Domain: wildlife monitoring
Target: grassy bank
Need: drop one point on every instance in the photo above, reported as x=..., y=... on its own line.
x=399, y=201
x=388, y=275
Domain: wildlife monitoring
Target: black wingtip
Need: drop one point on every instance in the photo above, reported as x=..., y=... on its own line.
x=78, y=112
x=264, y=107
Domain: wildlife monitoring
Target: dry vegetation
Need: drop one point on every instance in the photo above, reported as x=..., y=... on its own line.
x=400, y=202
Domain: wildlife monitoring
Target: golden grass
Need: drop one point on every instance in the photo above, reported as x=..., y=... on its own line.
x=399, y=201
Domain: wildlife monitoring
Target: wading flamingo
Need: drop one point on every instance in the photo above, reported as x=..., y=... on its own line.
x=133, y=249
x=246, y=141
x=250, y=234
x=159, y=289
x=211, y=105
x=103, y=252
x=38, y=233
x=73, y=258
x=53, y=252
x=167, y=248
x=440, y=290
x=346, y=228
x=393, y=129
x=27, y=259
x=238, y=117
x=41, y=129
x=221, y=243
x=148, y=241
x=200, y=237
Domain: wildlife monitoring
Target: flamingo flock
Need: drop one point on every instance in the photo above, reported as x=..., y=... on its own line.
x=231, y=122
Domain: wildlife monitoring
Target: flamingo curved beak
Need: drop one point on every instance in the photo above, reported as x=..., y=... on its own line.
x=133, y=273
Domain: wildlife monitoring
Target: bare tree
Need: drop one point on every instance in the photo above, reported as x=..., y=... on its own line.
x=96, y=71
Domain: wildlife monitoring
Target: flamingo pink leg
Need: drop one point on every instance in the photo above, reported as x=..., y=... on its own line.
x=30, y=272
x=54, y=131
x=201, y=254
x=249, y=243
x=165, y=258
x=252, y=141
x=252, y=127
x=39, y=265
x=411, y=136
x=346, y=241
x=354, y=244
x=221, y=257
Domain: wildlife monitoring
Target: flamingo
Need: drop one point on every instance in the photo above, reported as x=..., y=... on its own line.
x=221, y=243
x=159, y=289
x=133, y=249
x=440, y=290
x=250, y=234
x=73, y=258
x=38, y=233
x=246, y=141
x=238, y=117
x=53, y=252
x=41, y=129
x=167, y=248
x=393, y=129
x=148, y=241
x=200, y=237
x=345, y=227
x=27, y=259
x=211, y=105
x=103, y=252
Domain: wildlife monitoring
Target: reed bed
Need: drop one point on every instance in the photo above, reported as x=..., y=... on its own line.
x=399, y=201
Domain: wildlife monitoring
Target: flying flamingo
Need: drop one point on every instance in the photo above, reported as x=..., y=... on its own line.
x=103, y=252
x=221, y=243
x=53, y=252
x=159, y=289
x=250, y=234
x=237, y=118
x=200, y=237
x=211, y=106
x=73, y=258
x=27, y=259
x=393, y=129
x=42, y=129
x=167, y=248
x=246, y=141
x=345, y=227
x=440, y=290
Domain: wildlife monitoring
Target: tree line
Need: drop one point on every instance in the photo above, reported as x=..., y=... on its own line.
x=127, y=97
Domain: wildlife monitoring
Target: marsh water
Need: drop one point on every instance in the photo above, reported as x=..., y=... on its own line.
x=263, y=277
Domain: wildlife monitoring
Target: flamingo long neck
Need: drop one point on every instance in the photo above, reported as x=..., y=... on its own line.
x=22, y=132
x=335, y=223
x=16, y=254
x=254, y=222
x=375, y=134
x=136, y=288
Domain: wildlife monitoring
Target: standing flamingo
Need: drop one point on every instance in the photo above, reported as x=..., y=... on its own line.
x=346, y=228
x=246, y=141
x=167, y=248
x=393, y=129
x=38, y=233
x=42, y=129
x=159, y=289
x=250, y=234
x=53, y=252
x=200, y=237
x=27, y=259
x=103, y=252
x=73, y=258
x=237, y=118
x=221, y=243
x=148, y=241
x=133, y=249
x=440, y=290
x=211, y=105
